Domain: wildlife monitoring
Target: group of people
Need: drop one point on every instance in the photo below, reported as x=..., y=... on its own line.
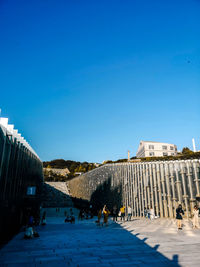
x=121, y=213
x=148, y=213
x=195, y=217
x=102, y=217
x=31, y=223
x=69, y=217
x=85, y=214
x=104, y=213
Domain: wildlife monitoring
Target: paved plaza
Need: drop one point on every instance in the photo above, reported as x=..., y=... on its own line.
x=140, y=242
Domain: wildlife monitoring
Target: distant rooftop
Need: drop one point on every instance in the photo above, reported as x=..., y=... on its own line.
x=154, y=142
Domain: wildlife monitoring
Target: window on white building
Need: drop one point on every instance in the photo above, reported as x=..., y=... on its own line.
x=171, y=148
x=151, y=146
x=164, y=147
x=151, y=154
x=165, y=154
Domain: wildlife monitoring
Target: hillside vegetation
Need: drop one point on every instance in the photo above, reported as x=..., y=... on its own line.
x=73, y=166
x=76, y=167
x=184, y=155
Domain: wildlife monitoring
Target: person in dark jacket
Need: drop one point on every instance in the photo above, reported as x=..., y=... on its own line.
x=115, y=213
x=179, y=213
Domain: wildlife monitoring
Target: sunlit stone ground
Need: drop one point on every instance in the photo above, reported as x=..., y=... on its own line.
x=136, y=243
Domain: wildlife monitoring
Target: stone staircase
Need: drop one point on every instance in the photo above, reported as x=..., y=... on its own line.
x=141, y=243
x=56, y=194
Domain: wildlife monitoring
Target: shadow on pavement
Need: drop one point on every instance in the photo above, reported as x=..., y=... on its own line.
x=137, y=251
x=83, y=244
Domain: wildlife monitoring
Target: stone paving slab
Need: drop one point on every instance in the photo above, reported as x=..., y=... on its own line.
x=136, y=243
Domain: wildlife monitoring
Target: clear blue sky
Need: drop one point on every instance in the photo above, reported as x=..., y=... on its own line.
x=87, y=80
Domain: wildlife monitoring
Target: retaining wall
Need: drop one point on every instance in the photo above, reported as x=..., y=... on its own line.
x=159, y=185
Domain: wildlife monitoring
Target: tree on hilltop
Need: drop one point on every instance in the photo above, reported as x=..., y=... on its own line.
x=186, y=150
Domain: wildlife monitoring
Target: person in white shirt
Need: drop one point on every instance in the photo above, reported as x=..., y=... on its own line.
x=196, y=217
x=152, y=214
x=28, y=233
x=129, y=213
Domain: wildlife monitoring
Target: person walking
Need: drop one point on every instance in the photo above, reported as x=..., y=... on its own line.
x=106, y=213
x=99, y=217
x=31, y=220
x=129, y=213
x=72, y=217
x=179, y=213
x=115, y=213
x=196, y=217
x=145, y=212
x=122, y=211
x=43, y=221
x=148, y=213
x=152, y=214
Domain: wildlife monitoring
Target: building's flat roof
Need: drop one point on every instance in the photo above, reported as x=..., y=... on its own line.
x=156, y=142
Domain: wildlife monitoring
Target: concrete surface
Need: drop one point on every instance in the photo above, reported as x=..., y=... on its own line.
x=140, y=242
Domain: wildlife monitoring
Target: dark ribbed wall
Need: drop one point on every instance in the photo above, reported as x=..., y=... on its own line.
x=19, y=168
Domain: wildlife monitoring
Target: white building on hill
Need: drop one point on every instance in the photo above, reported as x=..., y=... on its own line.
x=155, y=149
